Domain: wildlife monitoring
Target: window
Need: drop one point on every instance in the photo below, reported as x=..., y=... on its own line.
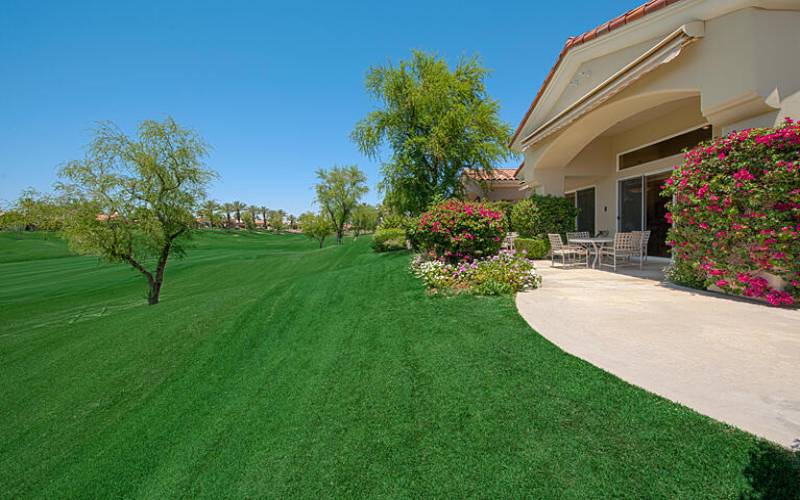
x=583, y=200
x=665, y=148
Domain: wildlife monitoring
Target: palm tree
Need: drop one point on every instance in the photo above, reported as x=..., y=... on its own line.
x=228, y=207
x=238, y=206
x=264, y=211
x=253, y=212
x=209, y=211
x=292, y=221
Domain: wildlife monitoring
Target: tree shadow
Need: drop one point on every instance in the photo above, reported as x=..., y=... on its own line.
x=773, y=472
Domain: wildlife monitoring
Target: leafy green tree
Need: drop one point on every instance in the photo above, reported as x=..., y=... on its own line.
x=210, y=212
x=437, y=122
x=145, y=190
x=276, y=220
x=316, y=226
x=338, y=192
x=34, y=211
x=364, y=219
x=252, y=217
x=249, y=220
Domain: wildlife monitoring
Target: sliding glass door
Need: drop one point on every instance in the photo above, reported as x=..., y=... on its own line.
x=630, y=205
x=655, y=212
x=641, y=207
x=584, y=201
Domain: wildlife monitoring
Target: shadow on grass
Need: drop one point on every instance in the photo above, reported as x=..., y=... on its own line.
x=773, y=472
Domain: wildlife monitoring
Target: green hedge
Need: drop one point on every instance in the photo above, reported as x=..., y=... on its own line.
x=385, y=240
x=535, y=248
x=538, y=216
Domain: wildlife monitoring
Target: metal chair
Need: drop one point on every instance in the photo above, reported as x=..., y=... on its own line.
x=566, y=252
x=644, y=238
x=625, y=246
x=508, y=241
x=579, y=234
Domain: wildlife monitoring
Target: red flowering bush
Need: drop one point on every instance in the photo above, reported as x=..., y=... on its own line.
x=736, y=213
x=457, y=230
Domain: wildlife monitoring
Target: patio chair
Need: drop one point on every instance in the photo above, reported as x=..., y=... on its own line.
x=508, y=241
x=625, y=246
x=566, y=252
x=644, y=237
x=579, y=234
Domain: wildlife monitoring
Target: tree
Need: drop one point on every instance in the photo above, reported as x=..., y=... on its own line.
x=316, y=226
x=249, y=220
x=338, y=193
x=292, y=221
x=138, y=195
x=252, y=216
x=364, y=219
x=209, y=211
x=437, y=123
x=276, y=220
x=228, y=208
x=34, y=211
x=238, y=207
x=264, y=212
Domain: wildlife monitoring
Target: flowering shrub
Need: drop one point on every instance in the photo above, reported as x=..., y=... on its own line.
x=506, y=272
x=736, y=213
x=456, y=230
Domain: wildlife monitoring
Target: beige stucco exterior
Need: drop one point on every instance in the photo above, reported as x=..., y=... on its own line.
x=739, y=69
x=495, y=191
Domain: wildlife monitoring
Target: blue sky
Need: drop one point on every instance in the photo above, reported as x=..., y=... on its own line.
x=275, y=88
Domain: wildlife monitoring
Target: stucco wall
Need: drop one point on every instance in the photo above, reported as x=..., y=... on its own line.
x=743, y=71
x=495, y=192
x=596, y=165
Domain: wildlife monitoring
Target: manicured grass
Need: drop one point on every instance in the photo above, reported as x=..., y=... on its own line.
x=273, y=368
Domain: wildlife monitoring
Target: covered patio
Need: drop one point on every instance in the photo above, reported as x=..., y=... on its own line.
x=730, y=359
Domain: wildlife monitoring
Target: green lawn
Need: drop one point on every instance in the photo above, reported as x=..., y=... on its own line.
x=273, y=368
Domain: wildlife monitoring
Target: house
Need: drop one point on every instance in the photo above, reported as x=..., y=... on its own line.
x=501, y=184
x=624, y=99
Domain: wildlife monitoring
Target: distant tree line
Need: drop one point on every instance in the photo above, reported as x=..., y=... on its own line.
x=239, y=215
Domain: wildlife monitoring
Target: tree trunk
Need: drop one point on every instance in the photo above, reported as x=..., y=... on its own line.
x=158, y=280
x=155, y=292
x=339, y=236
x=321, y=241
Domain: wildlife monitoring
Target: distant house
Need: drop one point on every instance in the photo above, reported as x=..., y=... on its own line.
x=501, y=184
x=626, y=98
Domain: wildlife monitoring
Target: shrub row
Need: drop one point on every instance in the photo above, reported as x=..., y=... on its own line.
x=534, y=248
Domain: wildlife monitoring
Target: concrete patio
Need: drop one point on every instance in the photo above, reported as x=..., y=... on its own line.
x=733, y=360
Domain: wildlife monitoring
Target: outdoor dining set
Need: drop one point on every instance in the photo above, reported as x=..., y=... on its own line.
x=582, y=248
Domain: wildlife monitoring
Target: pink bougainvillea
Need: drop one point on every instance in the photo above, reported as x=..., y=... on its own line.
x=735, y=212
x=457, y=230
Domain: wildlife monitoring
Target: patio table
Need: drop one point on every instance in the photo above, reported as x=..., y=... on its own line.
x=596, y=244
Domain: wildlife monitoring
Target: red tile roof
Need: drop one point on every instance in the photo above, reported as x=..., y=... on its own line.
x=497, y=174
x=617, y=22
